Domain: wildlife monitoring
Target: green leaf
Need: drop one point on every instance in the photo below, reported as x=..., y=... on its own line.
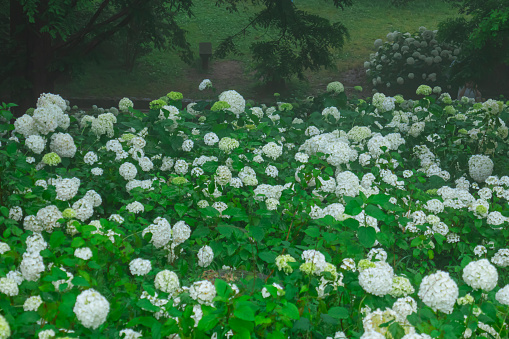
x=79, y=281
x=313, y=232
x=27, y=318
x=489, y=310
x=416, y=242
x=11, y=148
x=351, y=223
x=56, y=239
x=303, y=324
x=5, y=211
x=181, y=209
x=77, y=242
x=244, y=312
x=328, y=319
x=378, y=199
x=208, y=322
x=222, y=288
x=291, y=311
x=147, y=305
x=375, y=212
x=227, y=230
x=353, y=207
x=268, y=257
x=439, y=238
x=339, y=312
x=396, y=330
x=257, y=233
x=93, y=265
x=367, y=236
x=236, y=213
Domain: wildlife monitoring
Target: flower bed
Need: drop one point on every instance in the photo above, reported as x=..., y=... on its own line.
x=326, y=218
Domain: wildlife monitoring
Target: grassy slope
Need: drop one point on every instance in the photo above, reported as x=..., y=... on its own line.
x=162, y=71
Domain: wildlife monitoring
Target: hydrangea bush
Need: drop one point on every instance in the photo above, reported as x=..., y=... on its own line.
x=325, y=218
x=407, y=60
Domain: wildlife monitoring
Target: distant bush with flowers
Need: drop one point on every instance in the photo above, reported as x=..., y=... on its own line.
x=320, y=218
x=407, y=60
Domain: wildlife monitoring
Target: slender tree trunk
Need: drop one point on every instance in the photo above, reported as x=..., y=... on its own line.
x=33, y=53
x=19, y=85
x=39, y=58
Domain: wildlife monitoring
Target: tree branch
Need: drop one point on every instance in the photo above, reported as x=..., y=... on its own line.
x=79, y=36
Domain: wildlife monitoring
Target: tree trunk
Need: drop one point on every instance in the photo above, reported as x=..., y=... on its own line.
x=34, y=54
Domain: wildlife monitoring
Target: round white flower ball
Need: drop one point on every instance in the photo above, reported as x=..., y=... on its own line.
x=205, y=256
x=480, y=167
x=480, y=274
x=439, y=292
x=502, y=295
x=5, y=329
x=140, y=266
x=167, y=281
x=91, y=308
x=377, y=280
x=203, y=291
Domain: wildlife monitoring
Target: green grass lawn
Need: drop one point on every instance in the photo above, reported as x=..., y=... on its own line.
x=161, y=71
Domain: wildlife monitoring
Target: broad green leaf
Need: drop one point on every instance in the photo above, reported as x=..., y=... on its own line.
x=367, y=236
x=313, y=232
x=181, y=209
x=268, y=257
x=375, y=212
x=291, y=311
x=244, y=312
x=147, y=305
x=339, y=312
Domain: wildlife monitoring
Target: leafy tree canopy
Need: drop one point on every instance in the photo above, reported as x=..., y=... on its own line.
x=483, y=33
x=297, y=40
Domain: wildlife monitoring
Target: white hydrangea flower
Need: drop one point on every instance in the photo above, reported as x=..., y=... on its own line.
x=203, y=291
x=140, y=266
x=35, y=143
x=63, y=145
x=15, y=213
x=181, y=232
x=130, y=334
x=501, y=258
x=205, y=256
x=502, y=295
x=331, y=111
x=206, y=83
x=4, y=247
x=167, y=281
x=128, y=171
x=480, y=167
x=135, y=207
x=32, y=265
x=9, y=287
x=481, y=275
x=124, y=104
x=210, y=139
x=84, y=253
x=377, y=280
x=5, y=329
x=235, y=100
x=67, y=188
x=91, y=308
x=439, y=292
x=32, y=303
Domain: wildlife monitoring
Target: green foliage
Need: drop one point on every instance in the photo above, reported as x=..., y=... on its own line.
x=406, y=61
x=483, y=35
x=298, y=41
x=290, y=268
